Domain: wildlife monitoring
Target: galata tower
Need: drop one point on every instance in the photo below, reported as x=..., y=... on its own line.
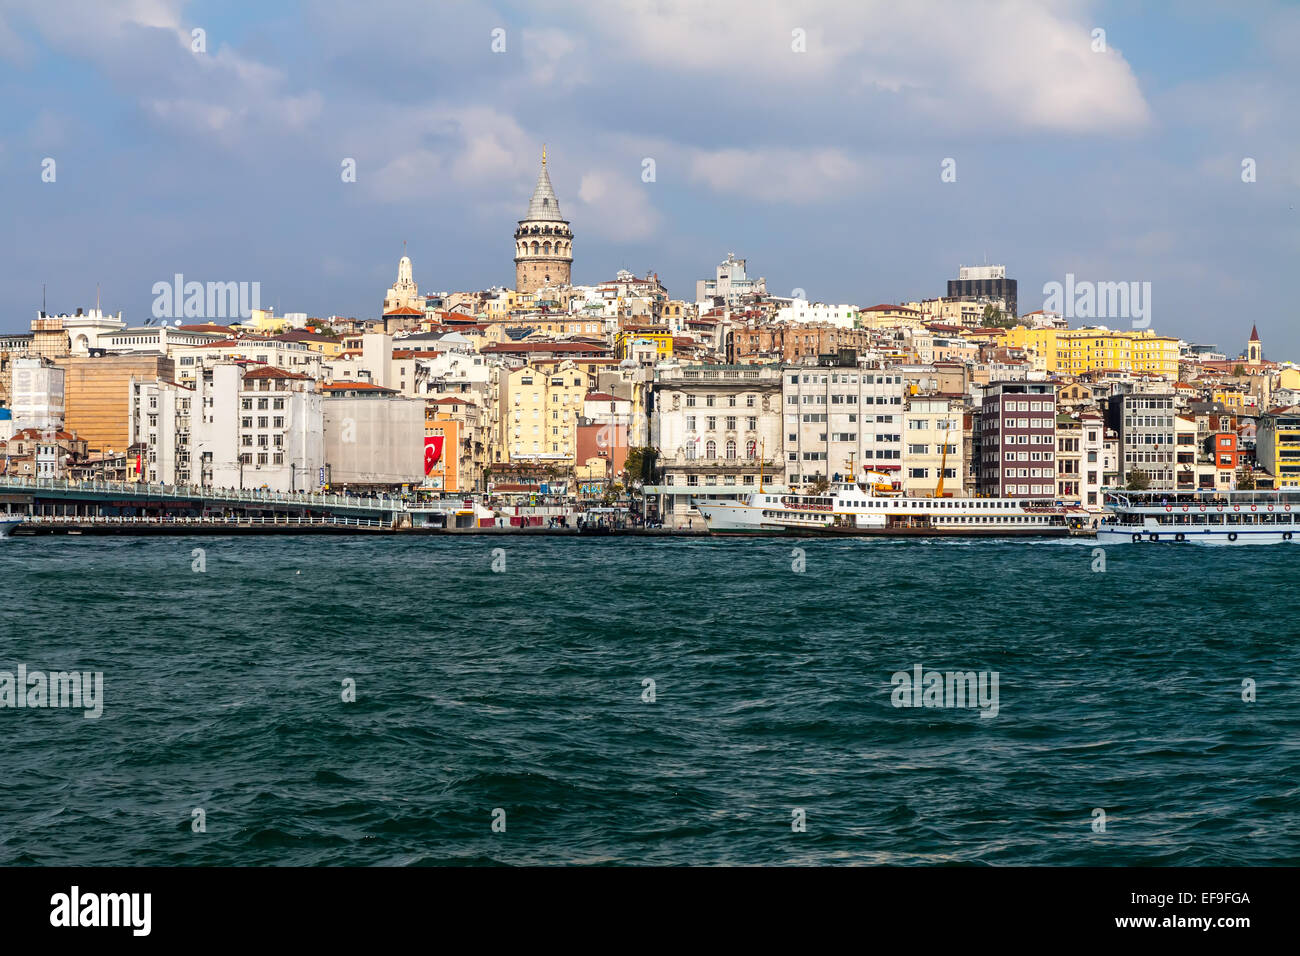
x=543, y=241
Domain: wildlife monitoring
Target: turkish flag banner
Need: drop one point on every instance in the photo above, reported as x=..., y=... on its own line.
x=432, y=452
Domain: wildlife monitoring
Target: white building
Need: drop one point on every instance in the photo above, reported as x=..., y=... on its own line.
x=289, y=356
x=731, y=284
x=160, y=422
x=800, y=310
x=452, y=372
x=37, y=394
x=841, y=419
x=718, y=432
x=258, y=426
x=372, y=435
x=169, y=340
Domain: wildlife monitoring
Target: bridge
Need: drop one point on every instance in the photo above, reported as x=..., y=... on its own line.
x=60, y=497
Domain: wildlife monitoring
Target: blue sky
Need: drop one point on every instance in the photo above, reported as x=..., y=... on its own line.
x=821, y=167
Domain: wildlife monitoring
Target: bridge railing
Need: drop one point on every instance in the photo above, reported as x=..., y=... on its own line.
x=209, y=520
x=158, y=490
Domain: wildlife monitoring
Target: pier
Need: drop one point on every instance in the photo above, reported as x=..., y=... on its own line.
x=61, y=507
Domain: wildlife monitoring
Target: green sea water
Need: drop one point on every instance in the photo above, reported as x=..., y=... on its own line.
x=649, y=701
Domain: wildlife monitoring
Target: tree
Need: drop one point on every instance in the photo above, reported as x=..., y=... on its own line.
x=821, y=485
x=1247, y=481
x=1138, y=480
x=640, y=465
x=639, y=469
x=996, y=318
x=1238, y=371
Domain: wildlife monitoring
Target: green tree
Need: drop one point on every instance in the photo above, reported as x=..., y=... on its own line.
x=1138, y=480
x=640, y=465
x=1238, y=371
x=1247, y=481
x=640, y=469
x=821, y=485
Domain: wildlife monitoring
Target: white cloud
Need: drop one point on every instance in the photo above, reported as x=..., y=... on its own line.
x=616, y=206
x=777, y=174
x=1018, y=63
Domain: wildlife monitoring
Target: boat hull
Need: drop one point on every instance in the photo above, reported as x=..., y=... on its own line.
x=1195, y=535
x=737, y=519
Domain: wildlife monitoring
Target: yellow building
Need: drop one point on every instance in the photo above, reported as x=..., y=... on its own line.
x=1231, y=398
x=263, y=320
x=559, y=324
x=538, y=414
x=1277, y=446
x=885, y=316
x=1075, y=351
x=663, y=342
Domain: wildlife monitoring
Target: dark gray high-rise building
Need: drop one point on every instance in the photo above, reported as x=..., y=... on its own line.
x=984, y=282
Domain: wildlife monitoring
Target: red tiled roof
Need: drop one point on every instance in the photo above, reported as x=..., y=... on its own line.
x=223, y=329
x=33, y=433
x=270, y=371
x=544, y=347
x=404, y=310
x=355, y=386
x=302, y=335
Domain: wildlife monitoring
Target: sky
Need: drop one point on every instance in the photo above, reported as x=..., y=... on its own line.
x=858, y=150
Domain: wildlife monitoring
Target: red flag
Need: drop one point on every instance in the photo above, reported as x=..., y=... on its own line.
x=139, y=463
x=432, y=452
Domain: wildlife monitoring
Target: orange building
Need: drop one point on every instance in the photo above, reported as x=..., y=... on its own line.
x=442, y=435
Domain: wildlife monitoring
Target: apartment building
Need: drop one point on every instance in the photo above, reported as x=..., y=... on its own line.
x=1015, y=439
x=840, y=419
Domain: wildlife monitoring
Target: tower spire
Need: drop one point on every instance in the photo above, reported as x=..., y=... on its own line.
x=543, y=154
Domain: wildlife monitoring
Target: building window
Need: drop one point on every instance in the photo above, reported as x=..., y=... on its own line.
x=731, y=447
x=711, y=449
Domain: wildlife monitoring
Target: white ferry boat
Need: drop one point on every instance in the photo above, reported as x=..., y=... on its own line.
x=869, y=506
x=1204, y=517
x=8, y=523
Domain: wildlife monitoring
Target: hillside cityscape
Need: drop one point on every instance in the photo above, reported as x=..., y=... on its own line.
x=598, y=392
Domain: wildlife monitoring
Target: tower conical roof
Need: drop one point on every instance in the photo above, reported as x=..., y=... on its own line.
x=544, y=205
x=1254, y=335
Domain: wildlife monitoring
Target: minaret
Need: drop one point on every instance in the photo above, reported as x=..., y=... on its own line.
x=404, y=292
x=1254, y=348
x=543, y=241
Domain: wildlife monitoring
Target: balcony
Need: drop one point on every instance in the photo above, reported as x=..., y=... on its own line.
x=718, y=464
